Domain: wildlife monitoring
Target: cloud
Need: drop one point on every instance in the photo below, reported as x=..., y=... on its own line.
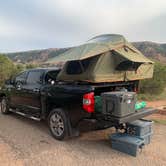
x=37, y=24
x=152, y=29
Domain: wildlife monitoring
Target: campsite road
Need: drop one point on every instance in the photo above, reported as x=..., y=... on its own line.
x=27, y=142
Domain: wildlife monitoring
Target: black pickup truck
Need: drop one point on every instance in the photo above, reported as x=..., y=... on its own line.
x=69, y=107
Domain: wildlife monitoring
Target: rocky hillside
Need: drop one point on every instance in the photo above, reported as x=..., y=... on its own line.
x=151, y=50
x=36, y=56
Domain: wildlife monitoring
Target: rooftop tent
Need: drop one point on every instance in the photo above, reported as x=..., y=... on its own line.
x=105, y=58
x=93, y=47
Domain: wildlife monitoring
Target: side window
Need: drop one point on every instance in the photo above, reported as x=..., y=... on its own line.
x=34, y=77
x=21, y=77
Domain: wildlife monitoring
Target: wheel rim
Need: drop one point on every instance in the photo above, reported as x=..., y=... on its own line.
x=3, y=105
x=57, y=124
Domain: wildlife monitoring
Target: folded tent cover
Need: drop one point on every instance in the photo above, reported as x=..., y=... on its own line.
x=105, y=58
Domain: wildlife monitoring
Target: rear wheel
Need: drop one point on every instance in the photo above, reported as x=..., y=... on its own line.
x=59, y=124
x=4, y=108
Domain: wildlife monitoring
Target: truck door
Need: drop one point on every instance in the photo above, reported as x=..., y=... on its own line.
x=32, y=89
x=17, y=97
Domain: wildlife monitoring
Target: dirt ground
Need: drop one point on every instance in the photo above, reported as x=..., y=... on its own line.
x=157, y=104
x=27, y=142
x=161, y=113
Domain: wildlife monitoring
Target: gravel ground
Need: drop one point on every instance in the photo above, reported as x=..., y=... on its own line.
x=27, y=142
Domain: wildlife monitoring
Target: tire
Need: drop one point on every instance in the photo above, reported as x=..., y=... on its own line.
x=4, y=108
x=58, y=124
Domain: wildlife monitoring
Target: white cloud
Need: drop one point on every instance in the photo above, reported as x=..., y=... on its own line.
x=55, y=23
x=6, y=29
x=116, y=16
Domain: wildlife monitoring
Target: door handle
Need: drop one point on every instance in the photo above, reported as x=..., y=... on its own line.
x=36, y=90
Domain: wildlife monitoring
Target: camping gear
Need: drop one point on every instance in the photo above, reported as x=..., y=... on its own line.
x=105, y=58
x=118, y=104
x=137, y=134
x=98, y=104
x=126, y=143
x=140, y=128
x=140, y=105
x=146, y=138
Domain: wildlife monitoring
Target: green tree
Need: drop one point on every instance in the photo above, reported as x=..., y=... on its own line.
x=7, y=68
x=19, y=68
x=31, y=66
x=157, y=84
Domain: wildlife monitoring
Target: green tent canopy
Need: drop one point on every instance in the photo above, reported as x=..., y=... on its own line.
x=105, y=58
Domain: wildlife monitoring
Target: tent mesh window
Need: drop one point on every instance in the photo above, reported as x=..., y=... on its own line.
x=79, y=66
x=74, y=67
x=85, y=63
x=128, y=65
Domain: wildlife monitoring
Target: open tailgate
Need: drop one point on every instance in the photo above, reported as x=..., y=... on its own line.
x=132, y=117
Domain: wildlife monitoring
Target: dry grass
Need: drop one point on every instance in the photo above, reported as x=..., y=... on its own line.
x=152, y=97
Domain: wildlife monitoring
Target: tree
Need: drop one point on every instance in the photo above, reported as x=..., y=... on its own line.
x=7, y=68
x=31, y=66
x=19, y=68
x=157, y=84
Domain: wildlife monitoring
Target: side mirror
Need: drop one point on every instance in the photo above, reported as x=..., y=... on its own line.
x=19, y=82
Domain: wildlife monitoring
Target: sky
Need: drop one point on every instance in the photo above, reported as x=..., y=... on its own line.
x=38, y=24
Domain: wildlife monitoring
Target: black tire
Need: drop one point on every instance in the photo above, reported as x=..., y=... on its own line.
x=4, y=108
x=58, y=124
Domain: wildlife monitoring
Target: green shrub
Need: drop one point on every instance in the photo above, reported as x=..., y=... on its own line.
x=157, y=84
x=31, y=66
x=7, y=68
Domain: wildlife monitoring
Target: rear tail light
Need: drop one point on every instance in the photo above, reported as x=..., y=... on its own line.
x=89, y=102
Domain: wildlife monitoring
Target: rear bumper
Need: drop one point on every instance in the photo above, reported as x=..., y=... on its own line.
x=107, y=121
x=132, y=117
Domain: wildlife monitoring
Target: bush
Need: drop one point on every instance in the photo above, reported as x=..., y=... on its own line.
x=157, y=84
x=7, y=68
x=31, y=66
